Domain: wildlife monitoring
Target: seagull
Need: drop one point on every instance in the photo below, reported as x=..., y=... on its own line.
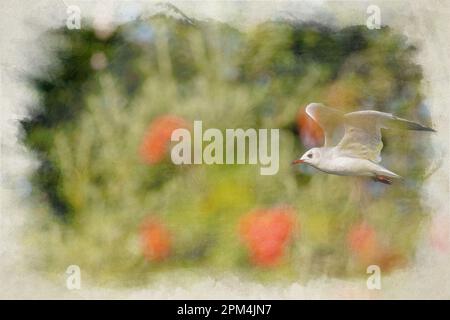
x=358, y=151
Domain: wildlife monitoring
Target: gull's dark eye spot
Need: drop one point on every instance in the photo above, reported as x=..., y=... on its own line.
x=309, y=155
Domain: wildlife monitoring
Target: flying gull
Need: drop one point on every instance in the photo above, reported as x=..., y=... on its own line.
x=358, y=152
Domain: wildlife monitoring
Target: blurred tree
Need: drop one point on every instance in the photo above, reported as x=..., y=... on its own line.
x=109, y=101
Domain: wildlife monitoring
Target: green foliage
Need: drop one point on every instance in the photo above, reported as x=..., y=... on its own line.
x=91, y=121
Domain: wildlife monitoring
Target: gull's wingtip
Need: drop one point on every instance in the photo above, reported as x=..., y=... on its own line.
x=419, y=127
x=315, y=109
x=311, y=106
x=411, y=125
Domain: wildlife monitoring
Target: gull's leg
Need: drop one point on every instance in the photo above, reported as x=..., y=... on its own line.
x=382, y=179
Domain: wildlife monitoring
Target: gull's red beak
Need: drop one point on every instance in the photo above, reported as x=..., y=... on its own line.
x=297, y=161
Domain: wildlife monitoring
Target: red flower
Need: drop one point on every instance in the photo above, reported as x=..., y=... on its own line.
x=364, y=244
x=361, y=238
x=266, y=233
x=155, y=240
x=156, y=141
x=310, y=132
x=362, y=241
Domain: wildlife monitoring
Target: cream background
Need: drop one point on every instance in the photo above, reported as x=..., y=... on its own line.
x=426, y=23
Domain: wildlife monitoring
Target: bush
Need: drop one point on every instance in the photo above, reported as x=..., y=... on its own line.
x=115, y=205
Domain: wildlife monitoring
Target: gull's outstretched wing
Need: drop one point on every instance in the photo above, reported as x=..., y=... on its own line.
x=329, y=119
x=362, y=138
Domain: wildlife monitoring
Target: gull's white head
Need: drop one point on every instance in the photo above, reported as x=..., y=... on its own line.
x=311, y=157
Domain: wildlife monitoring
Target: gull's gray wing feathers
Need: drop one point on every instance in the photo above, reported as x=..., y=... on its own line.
x=362, y=137
x=329, y=119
